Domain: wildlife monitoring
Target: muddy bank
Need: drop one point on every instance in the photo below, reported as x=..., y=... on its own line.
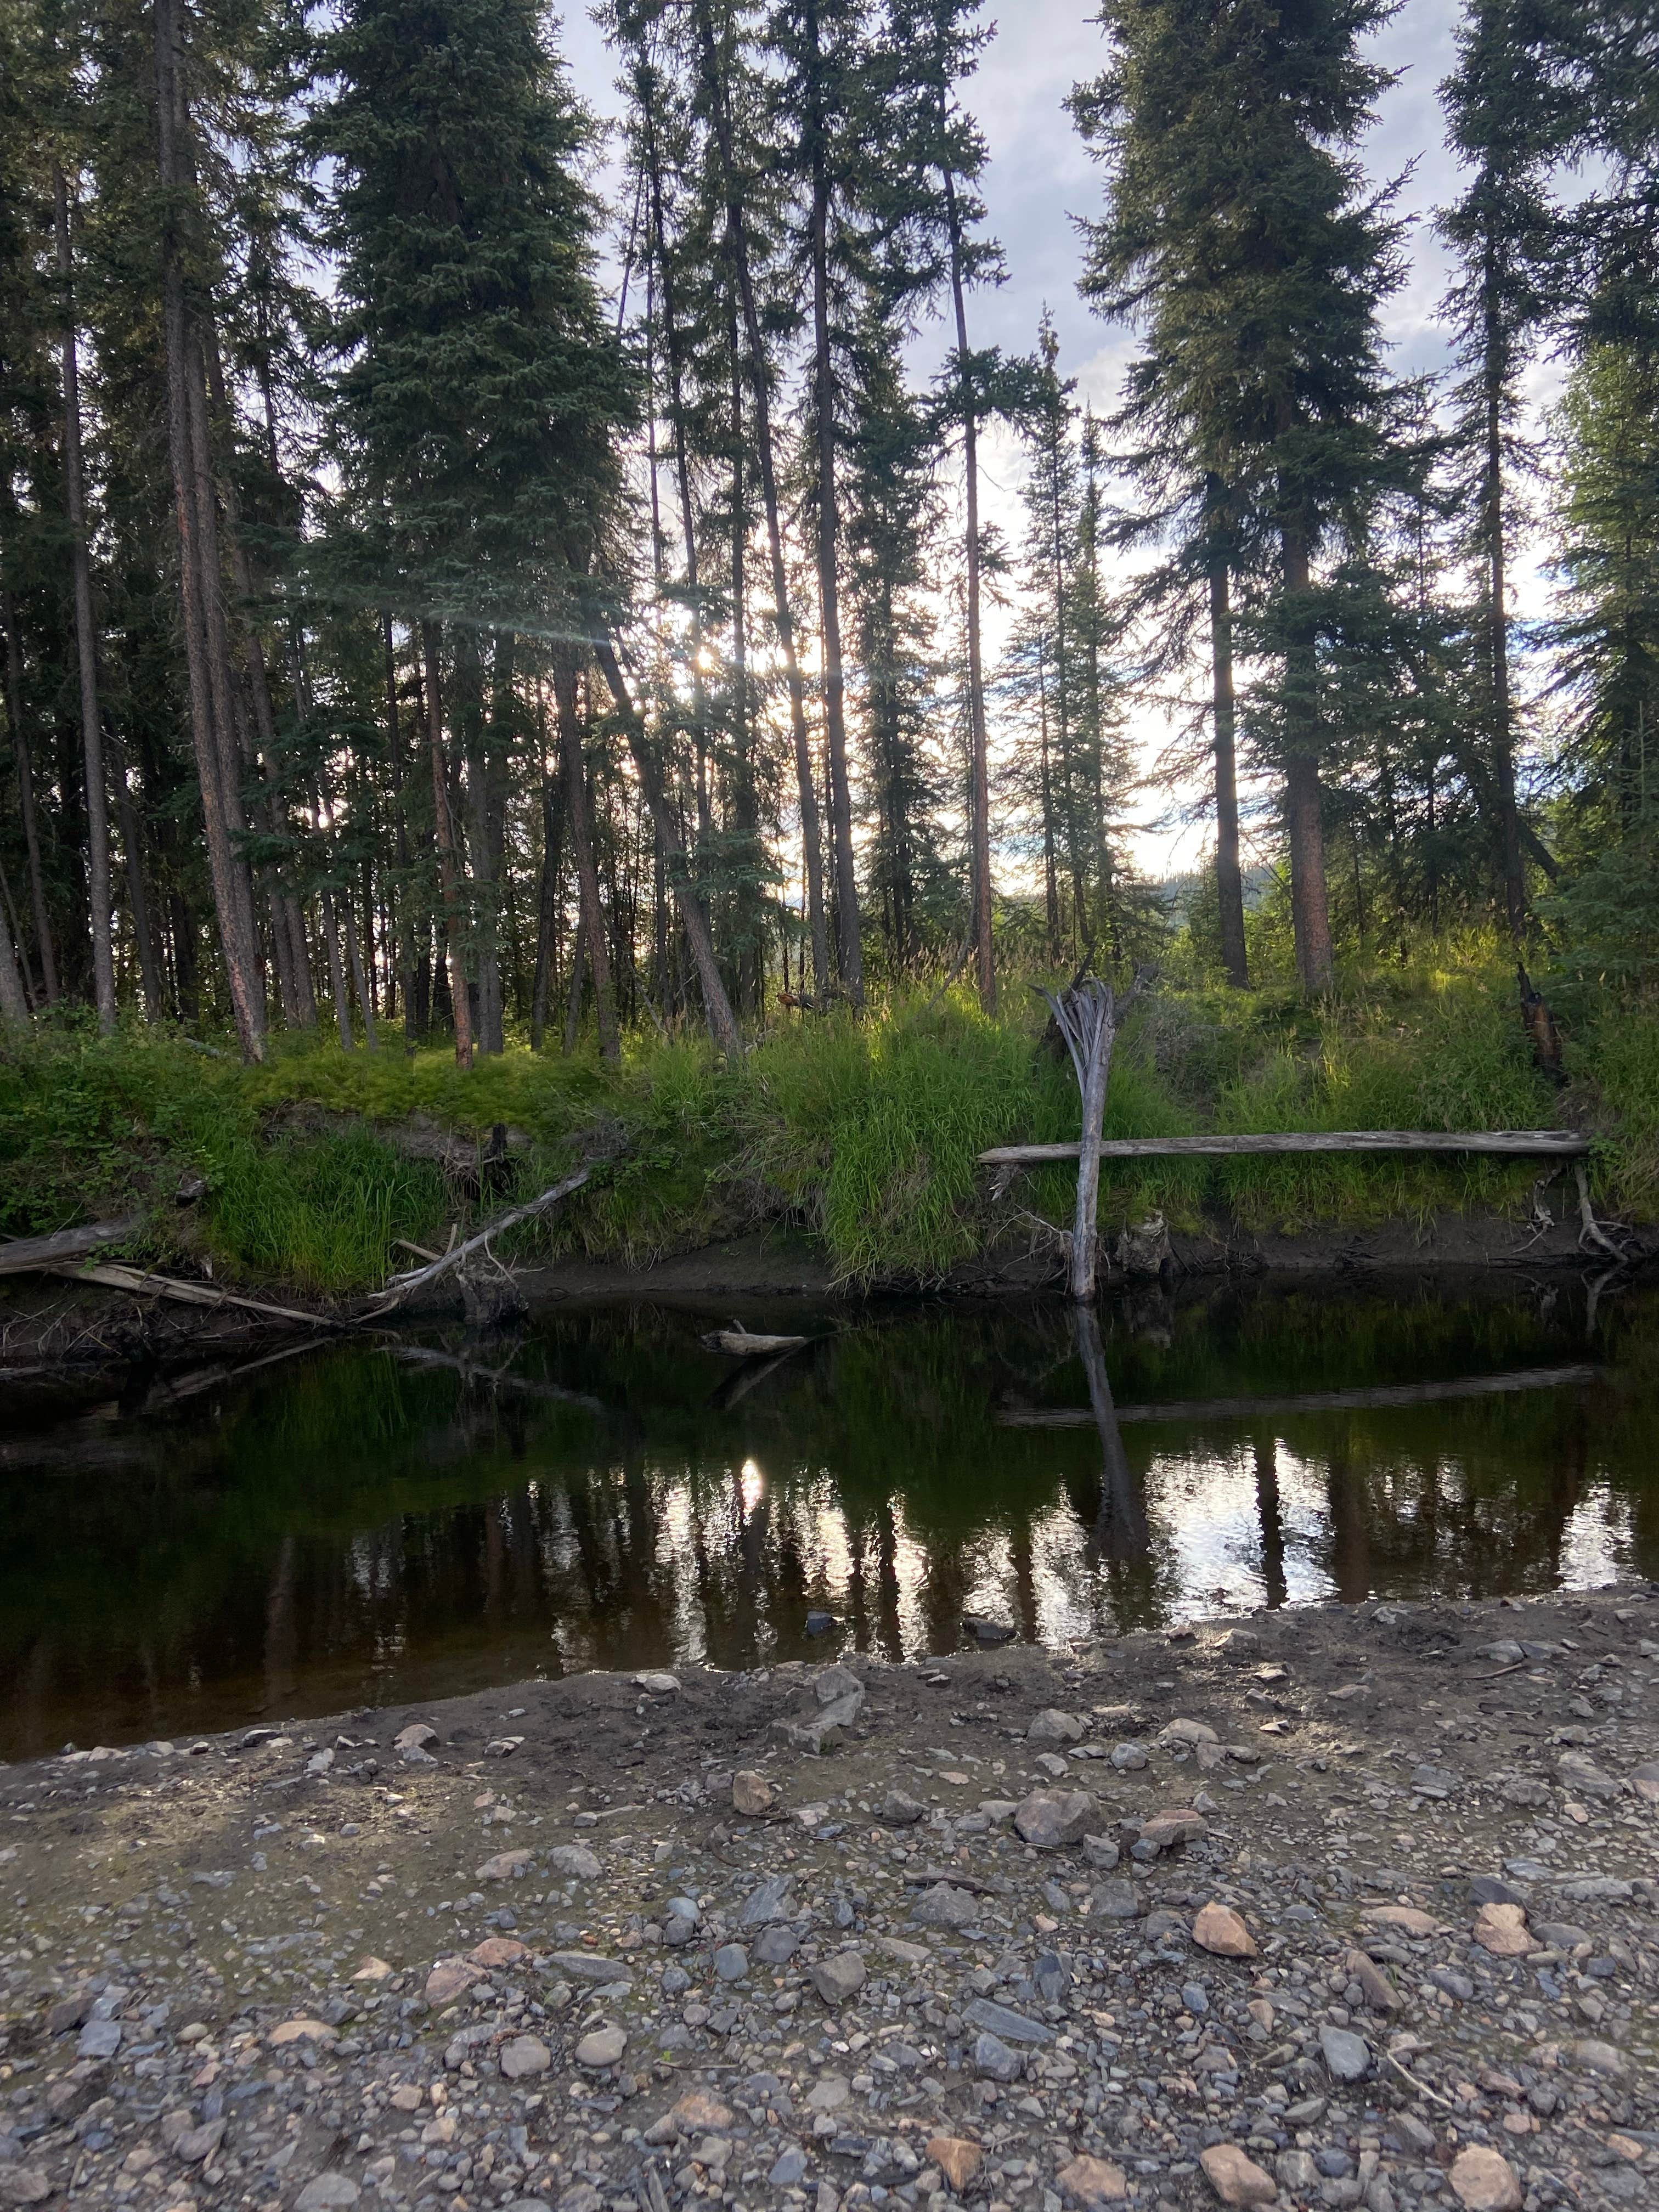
x=1336, y=1908
x=58, y=1337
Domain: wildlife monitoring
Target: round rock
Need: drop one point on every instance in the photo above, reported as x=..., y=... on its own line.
x=526, y=2055
x=603, y=2047
x=1483, y=2180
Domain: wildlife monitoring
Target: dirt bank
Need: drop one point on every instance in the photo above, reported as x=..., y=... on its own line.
x=59, y=1336
x=1340, y=1908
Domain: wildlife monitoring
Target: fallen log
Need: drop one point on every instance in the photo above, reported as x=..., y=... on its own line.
x=1308, y=1401
x=741, y=1344
x=1558, y=1144
x=143, y=1282
x=418, y=1279
x=28, y=1256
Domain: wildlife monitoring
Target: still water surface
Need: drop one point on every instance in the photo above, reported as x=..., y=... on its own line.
x=354, y=1526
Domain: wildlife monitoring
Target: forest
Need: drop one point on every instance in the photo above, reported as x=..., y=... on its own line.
x=481, y=590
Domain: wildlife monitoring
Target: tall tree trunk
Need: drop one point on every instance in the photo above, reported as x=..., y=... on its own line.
x=738, y=238
x=1498, y=647
x=1050, y=872
x=406, y=891
x=579, y=816
x=149, y=965
x=1230, y=887
x=337, y=981
x=99, y=891
x=849, y=945
x=695, y=921
x=1303, y=810
x=14, y=1000
x=360, y=979
x=445, y=842
x=20, y=746
x=980, y=792
x=235, y=939
x=547, y=901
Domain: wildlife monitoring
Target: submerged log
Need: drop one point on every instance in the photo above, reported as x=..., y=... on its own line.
x=744, y=1344
x=1559, y=1144
x=1376, y=1399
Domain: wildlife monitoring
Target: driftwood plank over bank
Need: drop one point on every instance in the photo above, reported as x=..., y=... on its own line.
x=1553, y=1144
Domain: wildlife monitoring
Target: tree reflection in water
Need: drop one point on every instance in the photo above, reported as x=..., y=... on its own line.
x=354, y=1527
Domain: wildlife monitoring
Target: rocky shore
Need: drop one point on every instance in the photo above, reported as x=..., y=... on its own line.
x=1335, y=1908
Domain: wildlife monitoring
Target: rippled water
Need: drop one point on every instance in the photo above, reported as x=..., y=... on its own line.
x=353, y=1525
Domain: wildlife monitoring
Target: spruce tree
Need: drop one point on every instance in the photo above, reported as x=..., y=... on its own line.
x=1240, y=236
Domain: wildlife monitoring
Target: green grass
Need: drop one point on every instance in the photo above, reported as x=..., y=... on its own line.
x=863, y=1133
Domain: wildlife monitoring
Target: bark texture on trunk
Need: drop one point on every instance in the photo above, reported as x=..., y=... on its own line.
x=693, y=918
x=233, y=913
x=100, y=889
x=1303, y=804
x=579, y=816
x=737, y=236
x=979, y=806
x=1497, y=646
x=848, y=939
x=14, y=1000
x=445, y=840
x=1230, y=885
x=20, y=746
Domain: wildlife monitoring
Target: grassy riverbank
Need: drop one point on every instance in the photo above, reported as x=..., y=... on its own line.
x=863, y=1134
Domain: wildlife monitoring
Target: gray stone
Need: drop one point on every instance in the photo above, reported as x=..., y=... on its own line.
x=603, y=2047
x=768, y=1903
x=900, y=1810
x=326, y=2192
x=99, y=2039
x=523, y=2055
x=197, y=2145
x=1594, y=2056
x=575, y=1861
x=944, y=1906
x=777, y=1943
x=1560, y=1934
x=790, y=2169
x=1128, y=1758
x=836, y=1683
x=1348, y=2055
x=1050, y=1818
x=1116, y=1900
x=838, y=1978
x=584, y=1966
x=1296, y=2171
x=1435, y=1782
x=1053, y=1726
x=1488, y=1889
x=730, y=1962
x=1004, y=2025
x=1100, y=1851
x=994, y=2060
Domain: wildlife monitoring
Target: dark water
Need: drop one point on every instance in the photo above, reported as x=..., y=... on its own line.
x=353, y=1526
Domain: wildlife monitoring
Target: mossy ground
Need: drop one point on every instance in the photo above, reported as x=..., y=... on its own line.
x=865, y=1132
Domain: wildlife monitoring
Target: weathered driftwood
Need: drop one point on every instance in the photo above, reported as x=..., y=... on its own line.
x=419, y=1279
x=1086, y=1017
x=143, y=1282
x=1308, y=1402
x=28, y=1256
x=1563, y=1144
x=744, y=1344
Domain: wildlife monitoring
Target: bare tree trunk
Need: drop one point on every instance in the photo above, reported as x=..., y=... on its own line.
x=445, y=842
x=149, y=965
x=14, y=1000
x=716, y=1005
x=233, y=939
x=849, y=943
x=1303, y=811
x=99, y=891
x=738, y=235
x=26, y=799
x=573, y=1011
x=359, y=978
x=980, y=785
x=1503, y=733
x=1230, y=886
x=405, y=892
x=580, y=819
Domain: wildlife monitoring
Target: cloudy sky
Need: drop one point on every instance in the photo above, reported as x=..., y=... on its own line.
x=1039, y=176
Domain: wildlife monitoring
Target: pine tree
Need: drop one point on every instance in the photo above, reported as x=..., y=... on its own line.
x=1240, y=236
x=1508, y=122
